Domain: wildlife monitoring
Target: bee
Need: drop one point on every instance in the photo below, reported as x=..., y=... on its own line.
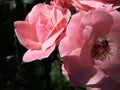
x=104, y=43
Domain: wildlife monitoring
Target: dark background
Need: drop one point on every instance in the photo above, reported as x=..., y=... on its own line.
x=14, y=73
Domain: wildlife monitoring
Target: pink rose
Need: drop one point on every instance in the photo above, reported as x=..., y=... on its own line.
x=91, y=49
x=41, y=29
x=86, y=4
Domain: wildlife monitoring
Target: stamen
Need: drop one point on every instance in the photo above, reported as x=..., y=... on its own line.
x=101, y=49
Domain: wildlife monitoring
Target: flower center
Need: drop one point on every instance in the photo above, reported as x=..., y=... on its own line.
x=101, y=49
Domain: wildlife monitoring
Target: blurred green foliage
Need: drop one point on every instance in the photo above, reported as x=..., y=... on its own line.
x=14, y=73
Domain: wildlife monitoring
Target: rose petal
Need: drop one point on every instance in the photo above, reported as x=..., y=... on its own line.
x=42, y=32
x=27, y=35
x=92, y=3
x=73, y=28
x=116, y=16
x=106, y=84
x=36, y=10
x=59, y=28
x=66, y=46
x=87, y=32
x=32, y=55
x=101, y=21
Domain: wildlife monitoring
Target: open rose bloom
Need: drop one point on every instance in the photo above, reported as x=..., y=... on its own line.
x=41, y=29
x=91, y=49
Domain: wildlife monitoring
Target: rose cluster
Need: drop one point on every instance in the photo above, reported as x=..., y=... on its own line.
x=88, y=40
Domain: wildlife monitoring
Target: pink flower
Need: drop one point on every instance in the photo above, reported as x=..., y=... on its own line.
x=71, y=4
x=91, y=49
x=86, y=4
x=41, y=29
